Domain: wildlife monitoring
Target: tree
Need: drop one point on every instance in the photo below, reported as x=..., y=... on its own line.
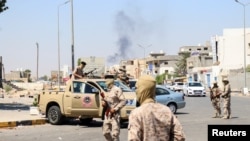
x=27, y=74
x=2, y=6
x=160, y=78
x=181, y=65
x=79, y=61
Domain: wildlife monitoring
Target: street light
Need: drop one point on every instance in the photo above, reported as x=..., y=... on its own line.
x=245, y=77
x=58, y=33
x=144, y=48
x=72, y=30
x=37, y=55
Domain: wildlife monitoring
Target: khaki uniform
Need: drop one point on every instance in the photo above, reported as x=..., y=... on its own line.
x=111, y=124
x=226, y=95
x=152, y=121
x=215, y=99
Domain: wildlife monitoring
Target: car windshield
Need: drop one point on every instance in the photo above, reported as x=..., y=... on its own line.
x=194, y=84
x=179, y=83
x=117, y=83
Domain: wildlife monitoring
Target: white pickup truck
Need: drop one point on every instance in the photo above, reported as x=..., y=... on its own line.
x=176, y=86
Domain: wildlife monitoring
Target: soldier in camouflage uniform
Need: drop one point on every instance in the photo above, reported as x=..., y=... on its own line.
x=152, y=121
x=122, y=76
x=226, y=95
x=115, y=100
x=215, y=99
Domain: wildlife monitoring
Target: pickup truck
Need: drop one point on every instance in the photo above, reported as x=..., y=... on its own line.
x=81, y=99
x=176, y=86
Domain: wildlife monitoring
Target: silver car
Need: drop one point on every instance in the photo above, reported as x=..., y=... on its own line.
x=174, y=100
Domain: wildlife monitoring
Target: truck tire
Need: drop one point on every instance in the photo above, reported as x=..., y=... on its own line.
x=54, y=115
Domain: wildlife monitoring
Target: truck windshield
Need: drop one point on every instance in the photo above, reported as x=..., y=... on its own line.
x=117, y=83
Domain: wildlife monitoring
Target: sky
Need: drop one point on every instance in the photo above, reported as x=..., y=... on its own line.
x=113, y=29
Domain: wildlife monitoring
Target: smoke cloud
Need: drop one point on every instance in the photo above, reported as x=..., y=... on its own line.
x=125, y=28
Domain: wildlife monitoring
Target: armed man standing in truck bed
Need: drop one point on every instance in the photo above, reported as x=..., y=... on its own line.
x=115, y=100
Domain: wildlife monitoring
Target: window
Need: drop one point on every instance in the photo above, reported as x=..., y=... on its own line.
x=205, y=48
x=166, y=63
x=77, y=87
x=160, y=91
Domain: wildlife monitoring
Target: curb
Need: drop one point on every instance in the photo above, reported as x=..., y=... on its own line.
x=22, y=123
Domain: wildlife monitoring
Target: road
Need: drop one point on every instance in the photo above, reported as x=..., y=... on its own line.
x=195, y=118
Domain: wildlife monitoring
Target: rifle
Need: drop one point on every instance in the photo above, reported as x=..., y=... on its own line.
x=107, y=108
x=211, y=93
x=90, y=72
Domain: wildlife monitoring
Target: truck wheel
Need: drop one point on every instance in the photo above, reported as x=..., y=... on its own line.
x=54, y=115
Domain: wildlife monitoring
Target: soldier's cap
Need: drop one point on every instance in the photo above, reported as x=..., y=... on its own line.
x=83, y=63
x=225, y=79
x=109, y=81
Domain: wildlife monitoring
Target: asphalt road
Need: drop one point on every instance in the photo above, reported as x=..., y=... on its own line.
x=195, y=118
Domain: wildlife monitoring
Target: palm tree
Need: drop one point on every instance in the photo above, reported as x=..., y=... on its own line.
x=181, y=65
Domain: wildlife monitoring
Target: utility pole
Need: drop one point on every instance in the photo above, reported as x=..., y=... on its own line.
x=37, y=55
x=1, y=66
x=72, y=30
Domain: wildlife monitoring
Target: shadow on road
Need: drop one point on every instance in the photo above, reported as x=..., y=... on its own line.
x=14, y=106
x=94, y=123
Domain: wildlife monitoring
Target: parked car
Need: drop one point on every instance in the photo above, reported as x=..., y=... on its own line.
x=174, y=100
x=194, y=89
x=177, y=86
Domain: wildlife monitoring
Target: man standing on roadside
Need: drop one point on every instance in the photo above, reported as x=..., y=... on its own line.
x=226, y=95
x=152, y=121
x=113, y=102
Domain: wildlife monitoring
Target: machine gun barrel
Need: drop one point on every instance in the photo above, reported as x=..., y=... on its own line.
x=91, y=71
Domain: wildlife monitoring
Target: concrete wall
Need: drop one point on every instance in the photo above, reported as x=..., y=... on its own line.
x=30, y=86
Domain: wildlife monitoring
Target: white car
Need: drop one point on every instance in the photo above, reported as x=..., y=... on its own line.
x=194, y=89
x=177, y=86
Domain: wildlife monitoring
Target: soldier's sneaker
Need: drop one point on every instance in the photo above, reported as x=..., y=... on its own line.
x=225, y=117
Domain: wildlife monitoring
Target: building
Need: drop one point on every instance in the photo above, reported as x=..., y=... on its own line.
x=200, y=62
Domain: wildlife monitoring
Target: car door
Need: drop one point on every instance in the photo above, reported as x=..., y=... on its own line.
x=85, y=99
x=162, y=95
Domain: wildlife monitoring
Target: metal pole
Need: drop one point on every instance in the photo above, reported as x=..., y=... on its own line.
x=58, y=42
x=72, y=29
x=37, y=61
x=245, y=75
x=58, y=39
x=1, y=62
x=144, y=58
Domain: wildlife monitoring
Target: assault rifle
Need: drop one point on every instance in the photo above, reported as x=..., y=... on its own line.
x=107, y=108
x=90, y=72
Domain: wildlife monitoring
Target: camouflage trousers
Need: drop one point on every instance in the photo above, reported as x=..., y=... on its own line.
x=227, y=107
x=216, y=106
x=111, y=128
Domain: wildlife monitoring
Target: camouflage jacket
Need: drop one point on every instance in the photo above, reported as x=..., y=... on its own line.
x=154, y=122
